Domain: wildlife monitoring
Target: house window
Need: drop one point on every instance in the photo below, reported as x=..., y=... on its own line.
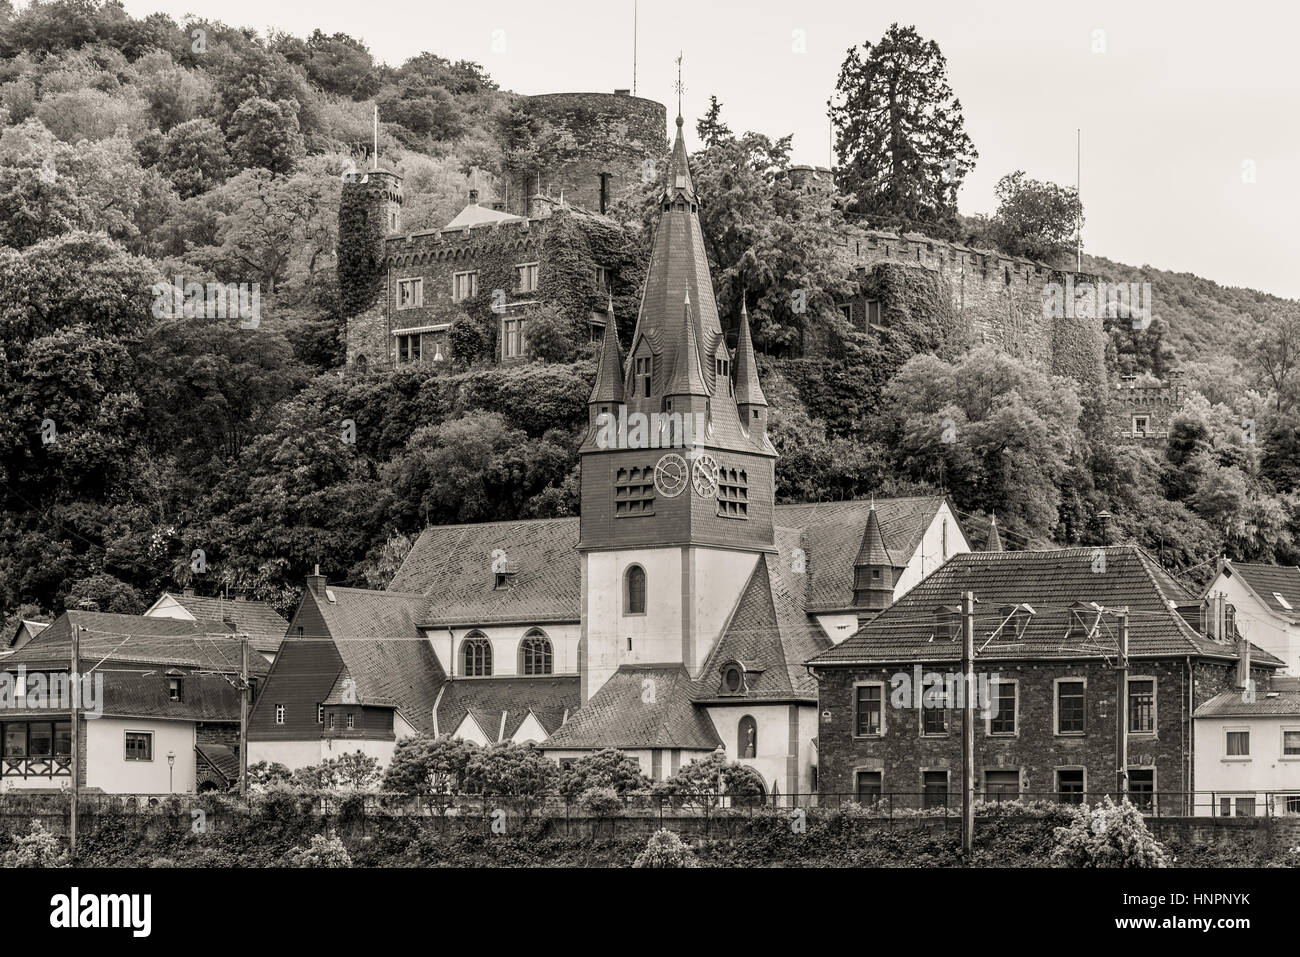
x=320, y=713
x=634, y=491
x=642, y=371
x=535, y=654
x=410, y=293
x=747, y=737
x=139, y=745
x=173, y=689
x=464, y=285
x=476, y=653
x=512, y=338
x=1245, y=807
x=279, y=714
x=1141, y=424
x=1290, y=742
x=868, y=786
x=934, y=789
x=869, y=710
x=526, y=277
x=330, y=721
x=934, y=721
x=634, y=590
x=604, y=279
x=1142, y=705
x=1142, y=787
x=1070, y=707
x=1292, y=804
x=1238, y=743
x=351, y=720
x=1003, y=720
x=1002, y=785
x=1069, y=785
x=733, y=493
x=409, y=347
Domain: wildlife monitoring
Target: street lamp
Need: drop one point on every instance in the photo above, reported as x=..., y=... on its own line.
x=721, y=754
x=171, y=763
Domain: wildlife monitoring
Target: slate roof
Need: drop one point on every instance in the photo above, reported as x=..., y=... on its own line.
x=222, y=758
x=1232, y=704
x=453, y=565
x=833, y=533
x=264, y=626
x=548, y=697
x=383, y=651
x=1269, y=581
x=1051, y=582
x=619, y=716
x=769, y=633
x=163, y=641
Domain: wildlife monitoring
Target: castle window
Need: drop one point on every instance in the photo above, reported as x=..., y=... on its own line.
x=535, y=655
x=410, y=293
x=634, y=592
x=464, y=285
x=526, y=277
x=874, y=318
x=476, y=653
x=643, y=376
x=408, y=348
x=604, y=279
x=1141, y=424
x=512, y=338
x=733, y=493
x=634, y=492
x=846, y=310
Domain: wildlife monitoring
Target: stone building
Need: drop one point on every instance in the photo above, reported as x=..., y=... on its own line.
x=1143, y=413
x=1045, y=628
x=403, y=291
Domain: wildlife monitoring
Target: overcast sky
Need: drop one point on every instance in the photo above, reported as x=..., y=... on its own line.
x=1177, y=100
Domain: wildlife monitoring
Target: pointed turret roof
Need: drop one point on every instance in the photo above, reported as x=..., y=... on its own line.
x=873, y=550
x=748, y=390
x=995, y=540
x=608, y=386
x=679, y=169
x=688, y=375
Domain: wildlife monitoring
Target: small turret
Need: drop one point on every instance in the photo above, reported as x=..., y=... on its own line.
x=750, y=400
x=995, y=540
x=873, y=569
x=607, y=391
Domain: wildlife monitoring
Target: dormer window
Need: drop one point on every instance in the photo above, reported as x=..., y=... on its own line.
x=174, y=688
x=1083, y=616
x=947, y=622
x=643, y=376
x=733, y=678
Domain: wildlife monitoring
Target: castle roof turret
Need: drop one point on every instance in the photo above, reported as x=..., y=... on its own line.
x=873, y=550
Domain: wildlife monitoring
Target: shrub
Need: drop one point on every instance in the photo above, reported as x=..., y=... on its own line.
x=600, y=802
x=607, y=768
x=1107, y=835
x=37, y=848
x=322, y=852
x=665, y=849
x=429, y=767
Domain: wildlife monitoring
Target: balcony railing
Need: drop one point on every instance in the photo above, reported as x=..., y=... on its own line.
x=60, y=765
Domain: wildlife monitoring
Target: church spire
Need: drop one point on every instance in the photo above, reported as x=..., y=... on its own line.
x=995, y=540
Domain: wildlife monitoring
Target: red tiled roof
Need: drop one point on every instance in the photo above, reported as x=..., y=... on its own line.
x=1051, y=582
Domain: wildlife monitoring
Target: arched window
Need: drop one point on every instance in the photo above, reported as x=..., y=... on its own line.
x=535, y=654
x=476, y=653
x=634, y=590
x=747, y=738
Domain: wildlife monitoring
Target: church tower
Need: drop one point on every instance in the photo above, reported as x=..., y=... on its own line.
x=678, y=473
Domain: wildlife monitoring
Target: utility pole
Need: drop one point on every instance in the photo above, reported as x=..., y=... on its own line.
x=243, y=716
x=73, y=683
x=1121, y=711
x=968, y=724
x=1078, y=185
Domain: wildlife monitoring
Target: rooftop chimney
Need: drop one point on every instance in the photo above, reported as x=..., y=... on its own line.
x=187, y=591
x=316, y=583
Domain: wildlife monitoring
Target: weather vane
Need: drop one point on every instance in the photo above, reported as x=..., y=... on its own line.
x=679, y=86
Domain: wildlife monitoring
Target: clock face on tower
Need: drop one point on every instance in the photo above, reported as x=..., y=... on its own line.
x=705, y=476
x=670, y=475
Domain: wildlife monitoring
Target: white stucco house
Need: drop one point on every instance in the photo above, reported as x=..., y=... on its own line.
x=1247, y=751
x=1266, y=606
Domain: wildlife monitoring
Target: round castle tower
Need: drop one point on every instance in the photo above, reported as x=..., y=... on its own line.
x=620, y=143
x=370, y=210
